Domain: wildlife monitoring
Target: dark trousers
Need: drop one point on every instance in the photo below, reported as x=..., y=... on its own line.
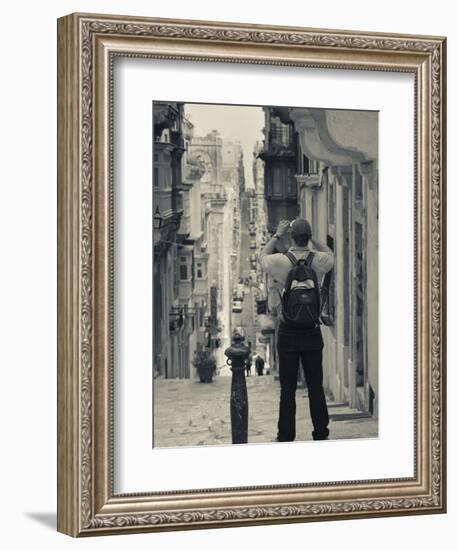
x=306, y=346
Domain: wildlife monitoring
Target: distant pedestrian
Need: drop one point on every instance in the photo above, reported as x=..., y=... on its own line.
x=248, y=365
x=249, y=361
x=259, y=364
x=299, y=271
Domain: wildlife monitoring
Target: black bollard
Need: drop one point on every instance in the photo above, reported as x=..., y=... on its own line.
x=237, y=355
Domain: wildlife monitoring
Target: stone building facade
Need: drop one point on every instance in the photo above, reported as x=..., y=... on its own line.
x=168, y=322
x=196, y=204
x=336, y=175
x=339, y=196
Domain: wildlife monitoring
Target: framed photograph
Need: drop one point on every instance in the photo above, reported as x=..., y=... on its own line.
x=251, y=289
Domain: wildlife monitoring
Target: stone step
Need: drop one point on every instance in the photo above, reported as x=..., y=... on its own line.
x=336, y=404
x=349, y=415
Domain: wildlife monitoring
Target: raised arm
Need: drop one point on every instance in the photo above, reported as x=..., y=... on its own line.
x=276, y=244
x=320, y=247
x=324, y=259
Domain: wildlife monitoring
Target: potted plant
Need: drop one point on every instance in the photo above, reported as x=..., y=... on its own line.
x=205, y=363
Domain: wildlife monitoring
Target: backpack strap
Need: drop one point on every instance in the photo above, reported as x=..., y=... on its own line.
x=309, y=259
x=291, y=257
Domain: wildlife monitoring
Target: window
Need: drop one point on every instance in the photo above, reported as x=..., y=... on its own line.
x=358, y=186
x=199, y=270
x=200, y=313
x=304, y=165
x=359, y=310
x=184, y=268
x=291, y=184
x=156, y=176
x=183, y=272
x=312, y=167
x=174, y=275
x=314, y=211
x=191, y=323
x=277, y=181
x=331, y=203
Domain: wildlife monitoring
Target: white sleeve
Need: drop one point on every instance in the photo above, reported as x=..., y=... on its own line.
x=323, y=261
x=266, y=263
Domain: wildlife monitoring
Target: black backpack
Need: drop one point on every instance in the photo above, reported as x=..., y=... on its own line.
x=301, y=305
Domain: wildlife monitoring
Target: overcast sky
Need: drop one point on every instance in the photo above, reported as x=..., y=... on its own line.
x=233, y=122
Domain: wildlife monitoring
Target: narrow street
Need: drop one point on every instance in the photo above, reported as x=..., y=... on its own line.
x=247, y=318
x=228, y=192
x=201, y=412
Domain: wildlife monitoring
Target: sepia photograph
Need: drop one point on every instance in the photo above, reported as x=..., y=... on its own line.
x=265, y=274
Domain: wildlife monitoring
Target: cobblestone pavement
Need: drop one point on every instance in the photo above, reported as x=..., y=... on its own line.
x=189, y=413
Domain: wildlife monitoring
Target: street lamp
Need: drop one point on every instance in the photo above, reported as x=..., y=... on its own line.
x=157, y=219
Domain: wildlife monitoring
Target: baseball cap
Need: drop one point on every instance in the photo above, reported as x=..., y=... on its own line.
x=300, y=226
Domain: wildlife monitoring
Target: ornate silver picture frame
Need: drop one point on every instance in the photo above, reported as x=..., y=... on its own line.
x=87, y=47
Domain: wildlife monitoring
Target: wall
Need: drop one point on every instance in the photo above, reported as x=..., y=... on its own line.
x=28, y=275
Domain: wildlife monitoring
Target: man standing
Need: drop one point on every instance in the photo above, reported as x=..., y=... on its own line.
x=259, y=362
x=294, y=341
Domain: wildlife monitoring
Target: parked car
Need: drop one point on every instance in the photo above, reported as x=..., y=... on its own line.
x=240, y=294
x=252, y=231
x=237, y=306
x=253, y=244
